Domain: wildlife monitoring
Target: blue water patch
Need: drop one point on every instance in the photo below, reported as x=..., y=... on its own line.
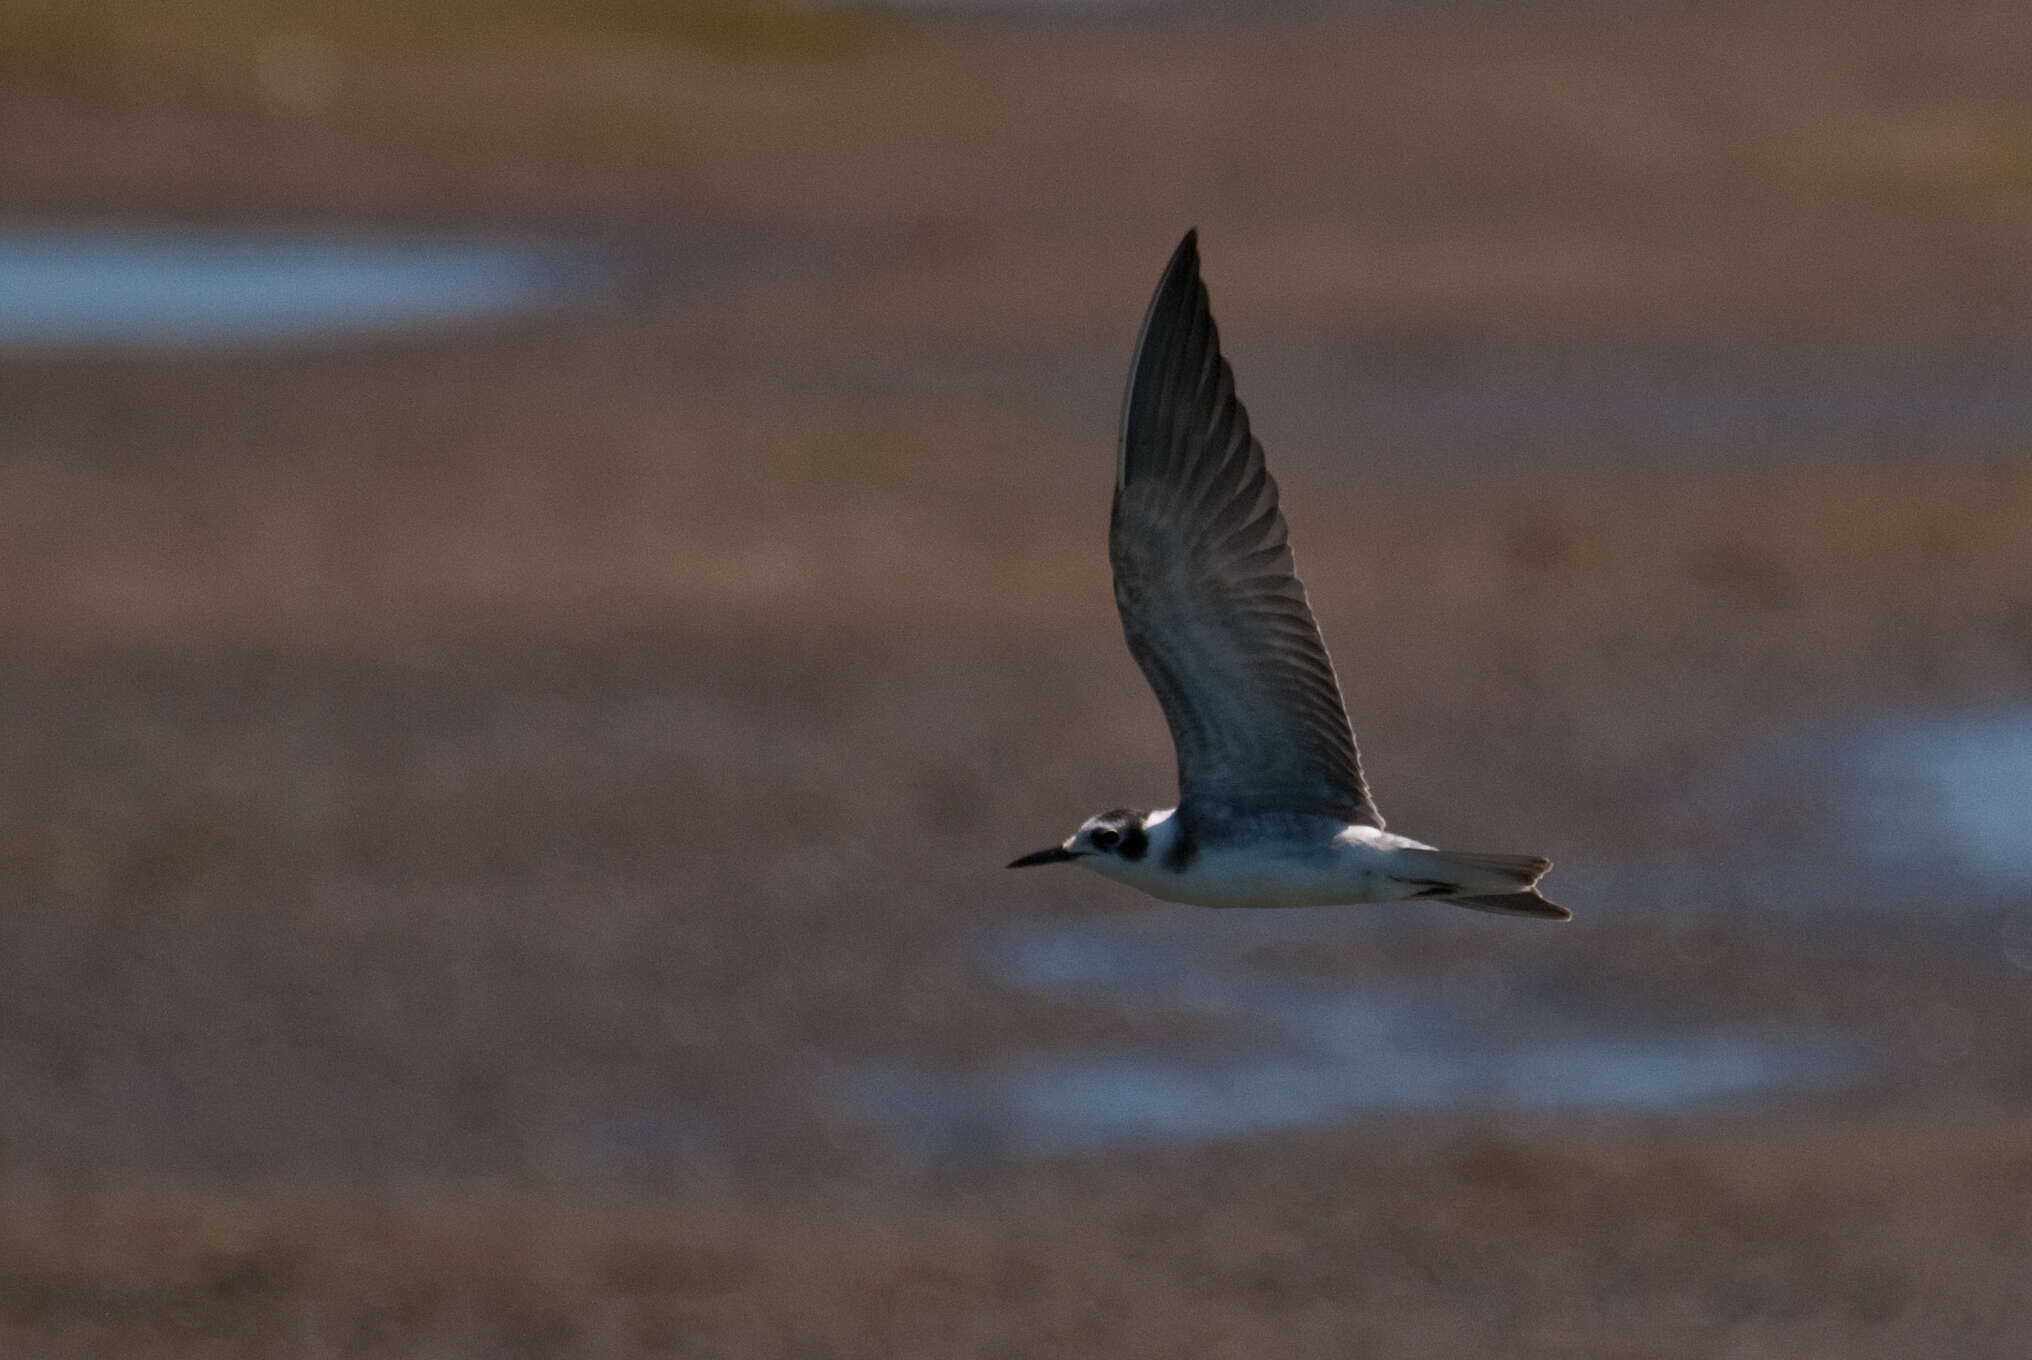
x=1886, y=812
x=1951, y=791
x=1890, y=812
x=180, y=288
x=1308, y=1052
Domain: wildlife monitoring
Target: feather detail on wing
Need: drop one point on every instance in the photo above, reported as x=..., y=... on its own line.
x=1210, y=602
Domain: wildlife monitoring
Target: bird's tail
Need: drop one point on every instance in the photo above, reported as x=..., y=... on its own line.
x=1498, y=883
x=1527, y=903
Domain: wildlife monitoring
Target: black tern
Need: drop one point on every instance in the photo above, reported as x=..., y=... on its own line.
x=1272, y=808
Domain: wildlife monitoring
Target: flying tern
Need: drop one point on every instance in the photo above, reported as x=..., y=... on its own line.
x=1272, y=808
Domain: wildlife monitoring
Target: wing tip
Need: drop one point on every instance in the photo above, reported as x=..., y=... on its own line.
x=1175, y=285
x=1184, y=260
x=1175, y=292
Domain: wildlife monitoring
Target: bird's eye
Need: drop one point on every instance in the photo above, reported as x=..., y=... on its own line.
x=1105, y=837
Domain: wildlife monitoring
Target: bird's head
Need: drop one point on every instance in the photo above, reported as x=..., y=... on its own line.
x=1119, y=834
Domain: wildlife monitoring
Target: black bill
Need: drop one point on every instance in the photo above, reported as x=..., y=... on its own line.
x=1057, y=854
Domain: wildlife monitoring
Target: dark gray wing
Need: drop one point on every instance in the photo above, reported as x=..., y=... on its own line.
x=1210, y=602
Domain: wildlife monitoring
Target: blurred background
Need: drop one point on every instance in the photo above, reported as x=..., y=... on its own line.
x=550, y=552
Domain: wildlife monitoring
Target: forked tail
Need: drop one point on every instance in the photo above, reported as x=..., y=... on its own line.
x=1527, y=903
x=1498, y=883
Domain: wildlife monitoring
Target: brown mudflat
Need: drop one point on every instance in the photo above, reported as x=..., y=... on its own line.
x=467, y=799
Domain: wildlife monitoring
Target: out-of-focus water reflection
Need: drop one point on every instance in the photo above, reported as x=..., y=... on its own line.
x=78, y=288
x=1913, y=810
x=1892, y=812
x=1948, y=794
x=1308, y=1052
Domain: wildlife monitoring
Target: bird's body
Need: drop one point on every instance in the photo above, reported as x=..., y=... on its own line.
x=1273, y=810
x=1294, y=860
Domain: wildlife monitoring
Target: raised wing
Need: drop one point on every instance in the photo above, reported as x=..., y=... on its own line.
x=1210, y=602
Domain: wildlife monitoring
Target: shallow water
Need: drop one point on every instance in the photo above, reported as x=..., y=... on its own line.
x=1891, y=812
x=1914, y=808
x=1307, y=1052
x=1948, y=791
x=76, y=288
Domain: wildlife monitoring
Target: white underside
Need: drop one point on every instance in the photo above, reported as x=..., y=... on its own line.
x=1338, y=866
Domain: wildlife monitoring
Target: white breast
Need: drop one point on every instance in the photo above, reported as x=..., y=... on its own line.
x=1341, y=867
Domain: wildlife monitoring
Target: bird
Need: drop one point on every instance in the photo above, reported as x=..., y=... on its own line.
x=1272, y=809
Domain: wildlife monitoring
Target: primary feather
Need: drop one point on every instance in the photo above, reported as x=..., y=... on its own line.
x=1204, y=579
